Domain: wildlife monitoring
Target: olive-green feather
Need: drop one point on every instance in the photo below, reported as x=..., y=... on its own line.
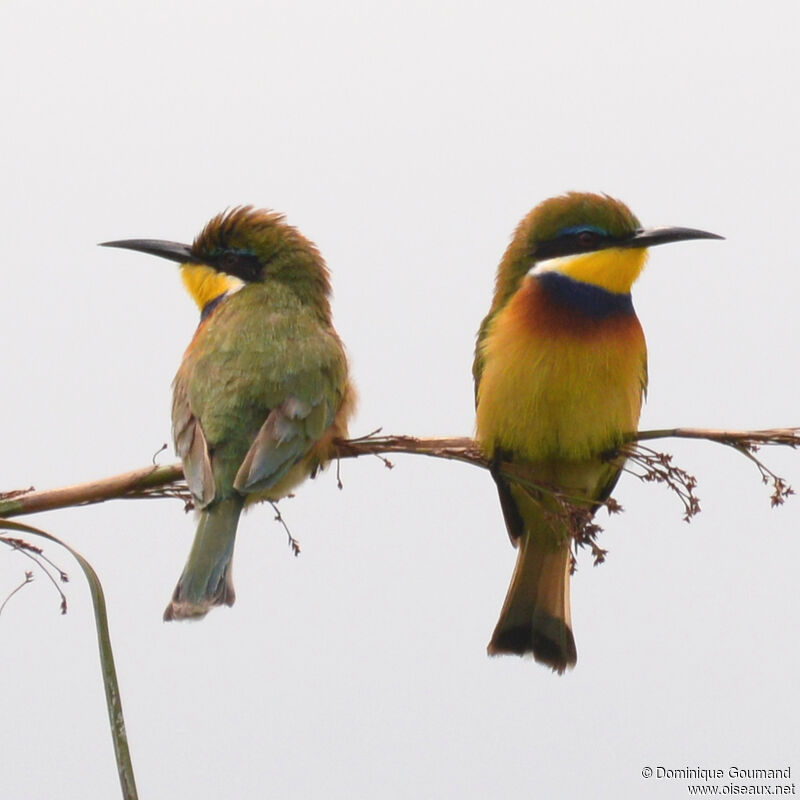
x=234, y=378
x=262, y=391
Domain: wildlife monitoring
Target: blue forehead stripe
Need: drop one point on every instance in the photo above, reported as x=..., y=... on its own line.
x=584, y=298
x=583, y=229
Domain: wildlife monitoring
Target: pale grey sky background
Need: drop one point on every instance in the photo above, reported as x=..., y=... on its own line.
x=407, y=140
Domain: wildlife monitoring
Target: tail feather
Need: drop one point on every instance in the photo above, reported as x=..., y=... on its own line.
x=536, y=613
x=206, y=579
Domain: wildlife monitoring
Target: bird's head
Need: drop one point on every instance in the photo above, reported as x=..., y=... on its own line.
x=240, y=246
x=590, y=238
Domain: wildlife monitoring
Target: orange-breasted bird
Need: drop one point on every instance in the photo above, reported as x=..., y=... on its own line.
x=262, y=391
x=560, y=373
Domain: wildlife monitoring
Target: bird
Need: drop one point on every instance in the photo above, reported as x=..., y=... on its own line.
x=560, y=373
x=262, y=392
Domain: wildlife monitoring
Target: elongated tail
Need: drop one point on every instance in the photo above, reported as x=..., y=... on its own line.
x=536, y=613
x=206, y=580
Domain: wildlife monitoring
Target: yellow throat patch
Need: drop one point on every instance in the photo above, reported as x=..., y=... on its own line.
x=614, y=270
x=205, y=284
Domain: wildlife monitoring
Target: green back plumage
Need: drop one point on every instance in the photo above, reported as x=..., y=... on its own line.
x=261, y=346
x=266, y=374
x=262, y=391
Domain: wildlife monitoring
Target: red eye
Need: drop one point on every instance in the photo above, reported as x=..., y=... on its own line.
x=587, y=238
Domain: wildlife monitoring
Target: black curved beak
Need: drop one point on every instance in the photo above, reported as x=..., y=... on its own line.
x=649, y=237
x=174, y=251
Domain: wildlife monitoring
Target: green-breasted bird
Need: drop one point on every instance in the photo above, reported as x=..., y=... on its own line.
x=262, y=391
x=560, y=371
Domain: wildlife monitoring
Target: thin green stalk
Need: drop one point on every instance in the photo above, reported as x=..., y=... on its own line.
x=113, y=699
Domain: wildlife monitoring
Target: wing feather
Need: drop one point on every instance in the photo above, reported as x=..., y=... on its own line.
x=192, y=448
x=289, y=432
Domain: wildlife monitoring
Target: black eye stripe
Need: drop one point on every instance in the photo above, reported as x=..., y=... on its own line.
x=243, y=265
x=573, y=243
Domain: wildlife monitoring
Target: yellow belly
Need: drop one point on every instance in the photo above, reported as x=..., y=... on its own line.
x=548, y=391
